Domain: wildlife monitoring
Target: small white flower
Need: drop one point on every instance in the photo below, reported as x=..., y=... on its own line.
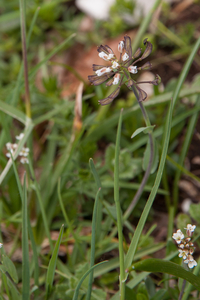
x=192, y=264
x=178, y=236
x=183, y=253
x=125, y=56
x=19, y=137
x=132, y=69
x=1, y=245
x=115, y=65
x=103, y=71
x=105, y=56
x=190, y=261
x=120, y=46
x=24, y=160
x=24, y=152
x=116, y=79
x=190, y=229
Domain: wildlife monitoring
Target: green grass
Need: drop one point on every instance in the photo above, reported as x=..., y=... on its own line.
x=67, y=214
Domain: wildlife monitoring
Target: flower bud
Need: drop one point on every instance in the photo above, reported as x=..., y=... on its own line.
x=132, y=69
x=120, y=46
x=116, y=79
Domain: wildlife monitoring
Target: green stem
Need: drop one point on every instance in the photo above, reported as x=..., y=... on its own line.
x=119, y=215
x=148, y=170
x=24, y=53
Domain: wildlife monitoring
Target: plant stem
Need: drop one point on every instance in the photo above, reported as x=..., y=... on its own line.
x=182, y=290
x=148, y=170
x=24, y=53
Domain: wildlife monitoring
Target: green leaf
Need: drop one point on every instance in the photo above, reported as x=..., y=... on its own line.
x=158, y=265
x=146, y=130
x=52, y=263
x=8, y=267
x=25, y=246
x=195, y=211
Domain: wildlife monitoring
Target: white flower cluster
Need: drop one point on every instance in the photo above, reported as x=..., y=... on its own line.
x=23, y=153
x=186, y=247
x=1, y=245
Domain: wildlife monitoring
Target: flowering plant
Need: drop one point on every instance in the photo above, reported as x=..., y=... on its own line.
x=120, y=70
x=186, y=247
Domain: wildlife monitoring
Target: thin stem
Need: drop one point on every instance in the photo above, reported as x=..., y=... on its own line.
x=148, y=170
x=24, y=53
x=182, y=290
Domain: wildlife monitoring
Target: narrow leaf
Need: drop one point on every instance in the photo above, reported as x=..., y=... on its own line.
x=158, y=265
x=52, y=263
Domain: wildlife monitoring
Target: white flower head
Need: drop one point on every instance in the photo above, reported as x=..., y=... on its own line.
x=133, y=69
x=24, y=160
x=125, y=56
x=116, y=79
x=24, y=152
x=1, y=245
x=105, y=56
x=178, y=236
x=103, y=71
x=19, y=137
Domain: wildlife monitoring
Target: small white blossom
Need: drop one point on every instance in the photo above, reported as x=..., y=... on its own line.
x=120, y=46
x=11, y=146
x=133, y=69
x=19, y=137
x=24, y=160
x=24, y=152
x=125, y=56
x=178, y=236
x=115, y=65
x=190, y=261
x=116, y=79
x=190, y=229
x=103, y=71
x=105, y=56
x=183, y=253
x=1, y=245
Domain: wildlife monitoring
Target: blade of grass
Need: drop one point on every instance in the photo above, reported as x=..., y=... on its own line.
x=144, y=26
x=75, y=297
x=118, y=209
x=34, y=248
x=68, y=222
x=41, y=205
x=141, y=223
x=182, y=155
x=92, y=255
x=52, y=264
x=52, y=53
x=25, y=246
x=99, y=208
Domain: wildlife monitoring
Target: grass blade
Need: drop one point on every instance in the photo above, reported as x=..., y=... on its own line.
x=75, y=297
x=25, y=247
x=92, y=256
x=99, y=208
x=52, y=264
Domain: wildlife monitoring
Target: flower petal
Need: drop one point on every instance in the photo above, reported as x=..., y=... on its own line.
x=148, y=49
x=137, y=53
x=110, y=98
x=97, y=67
x=96, y=80
x=127, y=45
